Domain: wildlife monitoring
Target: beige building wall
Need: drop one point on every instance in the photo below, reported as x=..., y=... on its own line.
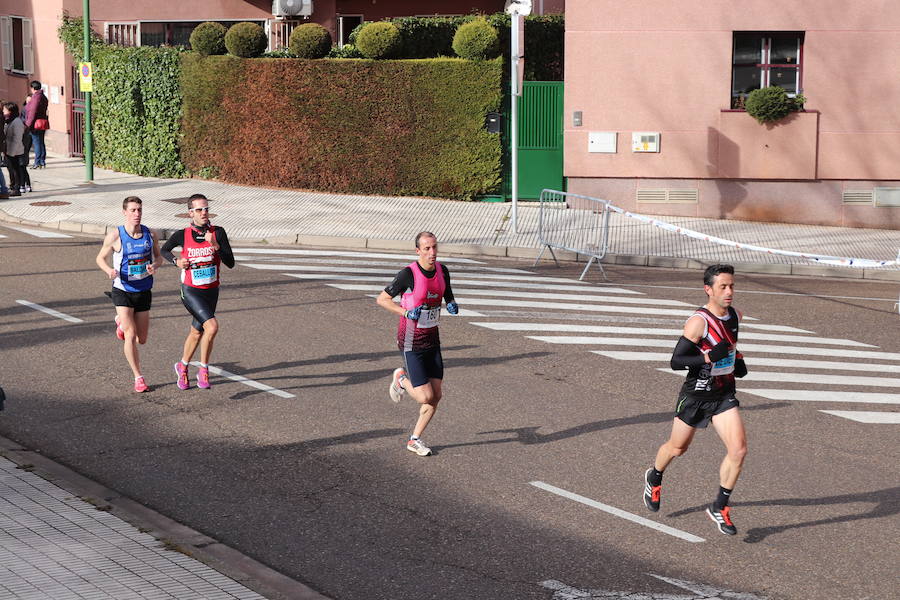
x=666, y=67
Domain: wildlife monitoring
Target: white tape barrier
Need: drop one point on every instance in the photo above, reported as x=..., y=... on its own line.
x=819, y=258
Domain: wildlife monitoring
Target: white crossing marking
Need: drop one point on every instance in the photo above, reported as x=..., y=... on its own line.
x=674, y=333
x=290, y=252
x=463, y=281
x=698, y=591
x=507, y=294
x=248, y=382
x=818, y=378
x=50, y=311
x=598, y=340
x=862, y=416
x=372, y=263
x=823, y=396
x=618, y=512
x=781, y=328
x=2, y=236
x=463, y=312
x=762, y=361
x=40, y=232
x=571, y=306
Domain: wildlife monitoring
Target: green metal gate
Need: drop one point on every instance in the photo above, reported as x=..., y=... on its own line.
x=540, y=140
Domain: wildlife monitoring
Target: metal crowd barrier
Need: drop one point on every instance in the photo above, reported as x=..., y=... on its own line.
x=575, y=223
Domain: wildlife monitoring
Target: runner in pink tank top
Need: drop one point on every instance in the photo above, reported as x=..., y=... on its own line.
x=422, y=286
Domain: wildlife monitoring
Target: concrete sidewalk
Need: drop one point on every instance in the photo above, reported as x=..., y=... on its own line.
x=61, y=200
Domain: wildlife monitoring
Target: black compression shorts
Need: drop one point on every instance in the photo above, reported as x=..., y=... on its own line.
x=697, y=412
x=201, y=303
x=139, y=301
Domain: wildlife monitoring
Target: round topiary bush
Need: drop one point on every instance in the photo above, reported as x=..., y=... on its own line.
x=379, y=40
x=209, y=38
x=247, y=40
x=772, y=104
x=476, y=40
x=310, y=40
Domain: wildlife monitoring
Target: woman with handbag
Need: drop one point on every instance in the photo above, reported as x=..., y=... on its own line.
x=38, y=123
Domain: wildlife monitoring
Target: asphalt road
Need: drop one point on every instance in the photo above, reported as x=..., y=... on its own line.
x=537, y=443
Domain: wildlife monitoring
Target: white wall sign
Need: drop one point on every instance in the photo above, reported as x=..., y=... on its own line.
x=602, y=141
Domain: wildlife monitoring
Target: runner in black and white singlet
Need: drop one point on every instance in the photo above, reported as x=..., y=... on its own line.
x=204, y=249
x=423, y=285
x=135, y=258
x=708, y=350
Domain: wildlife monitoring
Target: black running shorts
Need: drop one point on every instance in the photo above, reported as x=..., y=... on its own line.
x=697, y=412
x=139, y=301
x=422, y=365
x=201, y=303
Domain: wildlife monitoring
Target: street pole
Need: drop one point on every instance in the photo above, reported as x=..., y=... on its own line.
x=514, y=114
x=88, y=133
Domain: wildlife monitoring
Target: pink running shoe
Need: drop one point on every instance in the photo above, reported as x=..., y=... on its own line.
x=203, y=378
x=182, y=371
x=119, y=332
x=140, y=385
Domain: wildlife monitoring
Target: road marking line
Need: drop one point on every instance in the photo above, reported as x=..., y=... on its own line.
x=40, y=233
x=2, y=236
x=463, y=312
x=618, y=512
x=50, y=311
x=781, y=328
x=757, y=361
x=818, y=378
x=674, y=333
x=761, y=348
x=372, y=263
x=247, y=382
x=823, y=396
x=862, y=416
x=463, y=281
x=287, y=252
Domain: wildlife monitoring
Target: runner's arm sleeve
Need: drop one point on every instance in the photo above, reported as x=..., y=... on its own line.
x=402, y=281
x=175, y=241
x=448, y=291
x=225, y=253
x=687, y=354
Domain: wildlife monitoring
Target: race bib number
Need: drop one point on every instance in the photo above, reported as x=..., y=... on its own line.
x=429, y=318
x=723, y=366
x=203, y=273
x=137, y=268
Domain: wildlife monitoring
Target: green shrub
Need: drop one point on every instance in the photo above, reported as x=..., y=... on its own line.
x=427, y=37
x=71, y=33
x=209, y=38
x=310, y=40
x=772, y=104
x=347, y=51
x=476, y=40
x=280, y=53
x=246, y=40
x=379, y=40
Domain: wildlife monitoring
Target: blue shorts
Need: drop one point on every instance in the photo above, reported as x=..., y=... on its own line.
x=422, y=365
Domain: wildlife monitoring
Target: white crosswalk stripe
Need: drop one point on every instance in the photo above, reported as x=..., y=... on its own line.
x=567, y=311
x=39, y=233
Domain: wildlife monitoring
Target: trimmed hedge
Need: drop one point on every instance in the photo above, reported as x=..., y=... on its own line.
x=136, y=110
x=310, y=40
x=772, y=104
x=247, y=40
x=209, y=38
x=412, y=127
x=476, y=40
x=379, y=40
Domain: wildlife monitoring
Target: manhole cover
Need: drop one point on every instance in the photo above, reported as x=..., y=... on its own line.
x=50, y=203
x=188, y=216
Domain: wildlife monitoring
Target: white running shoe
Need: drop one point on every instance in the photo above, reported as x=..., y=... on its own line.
x=419, y=447
x=396, y=390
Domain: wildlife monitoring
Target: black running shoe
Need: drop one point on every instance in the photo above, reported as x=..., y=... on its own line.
x=722, y=519
x=651, y=493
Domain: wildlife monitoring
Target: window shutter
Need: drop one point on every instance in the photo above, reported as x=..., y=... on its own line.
x=6, y=40
x=27, y=47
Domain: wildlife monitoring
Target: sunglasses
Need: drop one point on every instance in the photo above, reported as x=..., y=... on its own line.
x=201, y=208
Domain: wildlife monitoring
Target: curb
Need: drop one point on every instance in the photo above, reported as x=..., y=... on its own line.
x=636, y=260
x=224, y=559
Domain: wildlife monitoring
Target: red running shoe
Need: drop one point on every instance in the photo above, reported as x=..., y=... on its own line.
x=203, y=378
x=182, y=371
x=140, y=385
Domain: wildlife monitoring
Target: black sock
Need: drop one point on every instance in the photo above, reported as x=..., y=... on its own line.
x=722, y=498
x=655, y=477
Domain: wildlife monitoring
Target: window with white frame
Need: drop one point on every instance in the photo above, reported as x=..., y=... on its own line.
x=763, y=59
x=17, y=49
x=345, y=26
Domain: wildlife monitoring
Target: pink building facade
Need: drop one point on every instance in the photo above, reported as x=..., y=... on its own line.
x=653, y=119
x=32, y=51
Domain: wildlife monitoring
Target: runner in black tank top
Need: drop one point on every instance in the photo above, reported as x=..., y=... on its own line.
x=708, y=350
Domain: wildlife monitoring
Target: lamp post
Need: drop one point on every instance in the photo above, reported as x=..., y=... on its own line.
x=88, y=133
x=517, y=10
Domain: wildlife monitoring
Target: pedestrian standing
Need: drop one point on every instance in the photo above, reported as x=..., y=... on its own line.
x=14, y=130
x=38, y=123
